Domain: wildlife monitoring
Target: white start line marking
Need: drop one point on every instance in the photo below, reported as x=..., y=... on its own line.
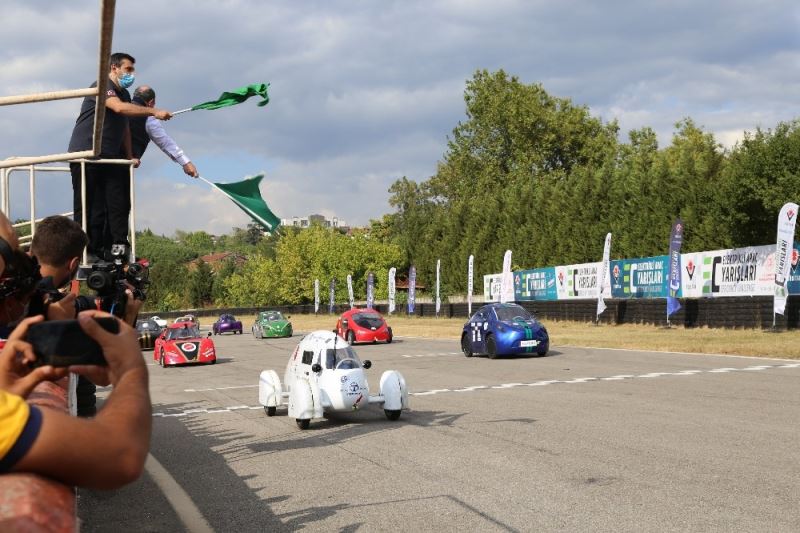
x=474, y=388
x=431, y=354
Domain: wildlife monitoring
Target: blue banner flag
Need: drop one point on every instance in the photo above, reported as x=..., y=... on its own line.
x=412, y=289
x=675, y=242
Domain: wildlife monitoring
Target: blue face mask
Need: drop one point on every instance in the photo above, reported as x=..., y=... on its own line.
x=126, y=80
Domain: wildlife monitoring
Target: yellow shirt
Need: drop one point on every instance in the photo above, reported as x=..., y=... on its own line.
x=19, y=427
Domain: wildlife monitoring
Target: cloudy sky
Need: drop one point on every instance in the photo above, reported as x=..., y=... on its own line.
x=365, y=92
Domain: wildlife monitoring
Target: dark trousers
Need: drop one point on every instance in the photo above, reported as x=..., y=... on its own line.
x=108, y=204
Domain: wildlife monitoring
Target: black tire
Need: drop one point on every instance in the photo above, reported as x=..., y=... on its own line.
x=351, y=337
x=491, y=347
x=303, y=423
x=214, y=362
x=390, y=337
x=466, y=346
x=392, y=414
x=541, y=354
x=161, y=359
x=270, y=410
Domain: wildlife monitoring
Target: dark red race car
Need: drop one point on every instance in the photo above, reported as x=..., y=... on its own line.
x=363, y=325
x=182, y=343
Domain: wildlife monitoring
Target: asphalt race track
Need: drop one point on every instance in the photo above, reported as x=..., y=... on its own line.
x=580, y=440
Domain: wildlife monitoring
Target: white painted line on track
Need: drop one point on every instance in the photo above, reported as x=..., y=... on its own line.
x=475, y=388
x=431, y=354
x=676, y=353
x=184, y=507
x=222, y=388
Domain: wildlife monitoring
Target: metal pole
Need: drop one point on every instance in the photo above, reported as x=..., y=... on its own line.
x=32, y=188
x=181, y=111
x=44, y=97
x=24, y=161
x=106, y=33
x=133, y=218
x=83, y=209
x=3, y=191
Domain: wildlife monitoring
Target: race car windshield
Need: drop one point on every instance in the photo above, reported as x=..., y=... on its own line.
x=183, y=333
x=272, y=317
x=227, y=318
x=512, y=312
x=147, y=325
x=368, y=320
x=341, y=358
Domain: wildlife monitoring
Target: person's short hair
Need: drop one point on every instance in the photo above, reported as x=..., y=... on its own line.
x=116, y=58
x=144, y=93
x=57, y=240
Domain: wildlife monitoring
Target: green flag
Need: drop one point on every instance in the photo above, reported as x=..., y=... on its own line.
x=237, y=96
x=247, y=196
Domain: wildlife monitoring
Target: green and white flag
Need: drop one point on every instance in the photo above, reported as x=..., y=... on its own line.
x=247, y=196
x=237, y=96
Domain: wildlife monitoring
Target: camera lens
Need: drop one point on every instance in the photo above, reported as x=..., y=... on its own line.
x=100, y=281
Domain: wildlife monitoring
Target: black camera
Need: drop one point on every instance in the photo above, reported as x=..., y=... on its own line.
x=110, y=279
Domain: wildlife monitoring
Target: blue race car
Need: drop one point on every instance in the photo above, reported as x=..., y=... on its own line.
x=503, y=329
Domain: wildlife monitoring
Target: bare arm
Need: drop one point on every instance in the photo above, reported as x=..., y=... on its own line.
x=109, y=450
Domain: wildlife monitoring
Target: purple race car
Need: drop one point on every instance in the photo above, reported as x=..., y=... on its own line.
x=227, y=324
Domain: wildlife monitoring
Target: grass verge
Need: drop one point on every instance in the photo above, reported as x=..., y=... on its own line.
x=754, y=342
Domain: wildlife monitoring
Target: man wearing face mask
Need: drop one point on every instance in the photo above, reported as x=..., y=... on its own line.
x=108, y=186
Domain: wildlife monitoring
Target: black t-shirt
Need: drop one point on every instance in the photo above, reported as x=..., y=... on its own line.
x=139, y=137
x=113, y=126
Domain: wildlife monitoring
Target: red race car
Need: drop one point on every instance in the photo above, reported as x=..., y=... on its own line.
x=363, y=325
x=183, y=343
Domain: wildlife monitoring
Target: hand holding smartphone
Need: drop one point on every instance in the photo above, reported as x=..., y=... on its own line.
x=62, y=343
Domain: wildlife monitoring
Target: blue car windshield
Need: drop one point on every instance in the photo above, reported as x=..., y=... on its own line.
x=512, y=312
x=341, y=358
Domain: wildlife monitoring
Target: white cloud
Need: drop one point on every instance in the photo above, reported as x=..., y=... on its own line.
x=366, y=92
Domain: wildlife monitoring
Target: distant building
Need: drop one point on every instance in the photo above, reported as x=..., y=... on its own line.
x=305, y=222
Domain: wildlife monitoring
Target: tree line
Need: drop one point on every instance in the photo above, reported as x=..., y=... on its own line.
x=526, y=171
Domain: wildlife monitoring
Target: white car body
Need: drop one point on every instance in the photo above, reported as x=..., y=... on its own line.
x=160, y=321
x=338, y=383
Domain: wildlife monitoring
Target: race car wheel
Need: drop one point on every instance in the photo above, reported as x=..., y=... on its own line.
x=389, y=337
x=466, y=346
x=392, y=414
x=491, y=347
x=541, y=354
x=351, y=337
x=161, y=359
x=270, y=410
x=303, y=423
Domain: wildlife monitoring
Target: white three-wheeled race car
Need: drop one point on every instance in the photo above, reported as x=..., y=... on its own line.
x=325, y=374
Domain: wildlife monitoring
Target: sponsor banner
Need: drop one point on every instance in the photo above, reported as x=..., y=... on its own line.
x=392, y=289
x=470, y=265
x=577, y=281
x=438, y=298
x=739, y=272
x=692, y=275
x=783, y=254
x=793, y=280
x=674, y=287
x=331, y=295
x=640, y=278
x=535, y=284
x=507, y=282
x=350, y=296
x=602, y=275
x=491, y=287
x=316, y=296
x=370, y=290
x=412, y=289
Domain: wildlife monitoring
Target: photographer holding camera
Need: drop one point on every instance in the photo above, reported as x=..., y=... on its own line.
x=58, y=245
x=105, y=452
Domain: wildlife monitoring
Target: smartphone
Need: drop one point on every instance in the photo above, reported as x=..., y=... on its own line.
x=64, y=343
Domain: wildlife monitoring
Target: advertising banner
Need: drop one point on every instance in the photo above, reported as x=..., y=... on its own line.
x=575, y=282
x=316, y=296
x=739, y=272
x=350, y=297
x=438, y=299
x=392, y=289
x=692, y=275
x=640, y=278
x=783, y=255
x=331, y=295
x=507, y=281
x=470, y=267
x=602, y=275
x=674, y=288
x=412, y=289
x=370, y=290
x=535, y=284
x=793, y=279
x=491, y=287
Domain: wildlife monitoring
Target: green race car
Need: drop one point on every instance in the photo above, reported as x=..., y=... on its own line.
x=271, y=324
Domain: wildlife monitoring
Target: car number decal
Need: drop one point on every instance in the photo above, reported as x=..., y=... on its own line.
x=188, y=346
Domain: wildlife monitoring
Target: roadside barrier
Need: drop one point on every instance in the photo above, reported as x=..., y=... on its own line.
x=30, y=503
x=728, y=312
